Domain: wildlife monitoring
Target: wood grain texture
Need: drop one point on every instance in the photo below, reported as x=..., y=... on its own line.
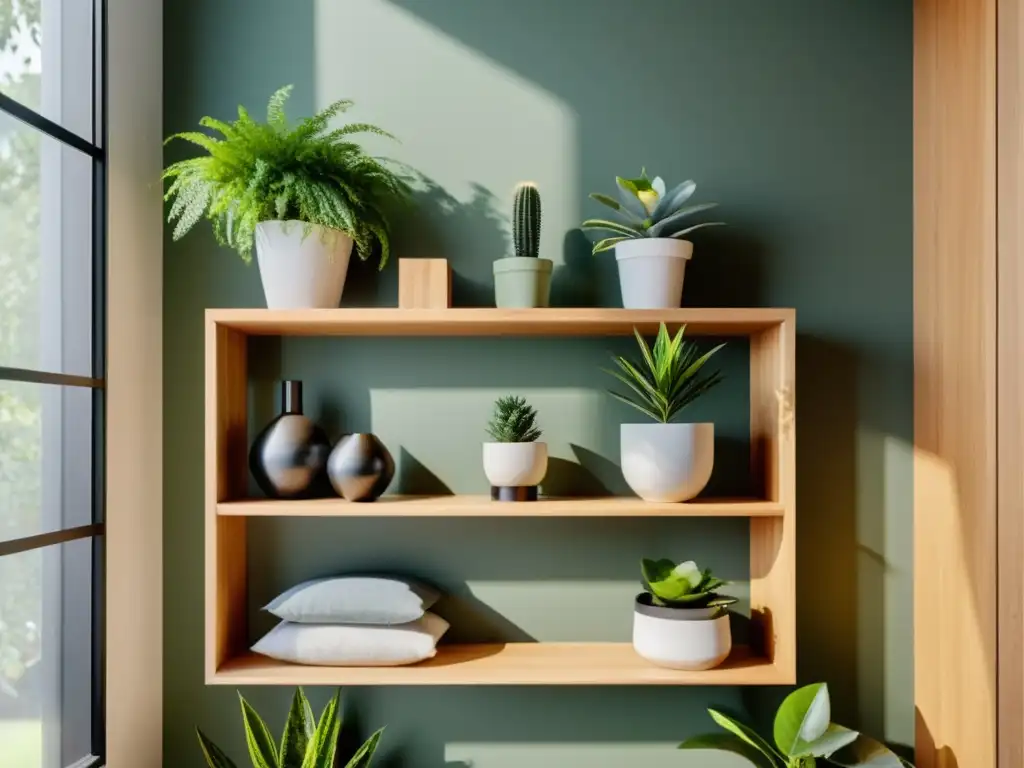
x=955, y=383
x=1010, y=382
x=773, y=460
x=424, y=284
x=225, y=545
x=483, y=321
x=482, y=506
x=507, y=664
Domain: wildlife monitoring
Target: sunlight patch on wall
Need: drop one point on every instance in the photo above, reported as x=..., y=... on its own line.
x=462, y=118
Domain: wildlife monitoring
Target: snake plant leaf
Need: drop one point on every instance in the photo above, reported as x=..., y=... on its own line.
x=364, y=755
x=629, y=199
x=645, y=397
x=688, y=230
x=262, y=749
x=670, y=222
x=297, y=730
x=651, y=393
x=612, y=203
x=324, y=742
x=802, y=718
x=612, y=226
x=672, y=200
x=607, y=244
x=645, y=350
x=835, y=738
x=639, y=406
x=865, y=752
x=747, y=734
x=215, y=757
x=727, y=742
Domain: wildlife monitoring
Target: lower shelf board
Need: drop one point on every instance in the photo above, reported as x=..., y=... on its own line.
x=507, y=664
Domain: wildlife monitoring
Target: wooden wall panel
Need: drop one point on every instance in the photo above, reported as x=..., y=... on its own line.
x=955, y=383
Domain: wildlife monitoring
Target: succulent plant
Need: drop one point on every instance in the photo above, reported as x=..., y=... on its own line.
x=526, y=220
x=513, y=421
x=646, y=209
x=682, y=586
x=668, y=378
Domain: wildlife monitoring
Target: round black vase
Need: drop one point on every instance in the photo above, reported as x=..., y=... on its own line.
x=360, y=467
x=289, y=457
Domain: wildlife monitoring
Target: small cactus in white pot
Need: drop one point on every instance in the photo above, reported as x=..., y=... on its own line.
x=515, y=462
x=524, y=280
x=649, y=238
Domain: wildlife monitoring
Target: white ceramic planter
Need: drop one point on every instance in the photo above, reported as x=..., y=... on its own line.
x=667, y=462
x=651, y=271
x=512, y=465
x=680, y=638
x=300, y=270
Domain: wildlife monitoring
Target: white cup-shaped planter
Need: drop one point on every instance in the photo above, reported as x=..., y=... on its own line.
x=681, y=638
x=651, y=271
x=300, y=268
x=667, y=462
x=515, y=465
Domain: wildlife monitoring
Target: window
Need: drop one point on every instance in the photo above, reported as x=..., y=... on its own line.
x=52, y=369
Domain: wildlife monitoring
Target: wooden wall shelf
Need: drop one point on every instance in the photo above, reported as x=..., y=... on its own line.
x=772, y=519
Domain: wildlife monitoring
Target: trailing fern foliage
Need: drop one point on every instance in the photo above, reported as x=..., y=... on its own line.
x=255, y=172
x=513, y=421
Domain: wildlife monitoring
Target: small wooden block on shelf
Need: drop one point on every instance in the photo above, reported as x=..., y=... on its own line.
x=424, y=284
x=507, y=664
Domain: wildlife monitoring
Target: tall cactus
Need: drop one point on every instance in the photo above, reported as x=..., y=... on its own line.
x=526, y=220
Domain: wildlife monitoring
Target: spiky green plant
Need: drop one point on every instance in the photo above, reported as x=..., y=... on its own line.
x=646, y=209
x=803, y=733
x=305, y=742
x=682, y=586
x=513, y=421
x=279, y=171
x=526, y=220
x=668, y=378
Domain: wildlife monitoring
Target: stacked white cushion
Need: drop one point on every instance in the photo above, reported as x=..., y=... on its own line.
x=354, y=600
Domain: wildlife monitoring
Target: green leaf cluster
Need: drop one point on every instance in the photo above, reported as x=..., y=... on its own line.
x=803, y=733
x=513, y=421
x=645, y=208
x=667, y=378
x=255, y=172
x=305, y=742
x=682, y=586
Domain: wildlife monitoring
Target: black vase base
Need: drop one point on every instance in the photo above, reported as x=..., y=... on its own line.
x=514, y=493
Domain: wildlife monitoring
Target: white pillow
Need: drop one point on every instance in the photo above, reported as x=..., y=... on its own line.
x=354, y=600
x=347, y=645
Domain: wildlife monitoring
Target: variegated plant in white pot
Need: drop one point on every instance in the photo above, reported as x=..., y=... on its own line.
x=649, y=238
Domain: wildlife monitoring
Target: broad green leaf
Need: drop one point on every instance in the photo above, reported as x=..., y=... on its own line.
x=688, y=230
x=628, y=197
x=727, y=742
x=746, y=733
x=865, y=752
x=835, y=737
x=689, y=572
x=295, y=736
x=673, y=200
x=364, y=755
x=660, y=228
x=215, y=757
x=324, y=743
x=607, y=243
x=658, y=185
x=262, y=749
x=611, y=226
x=612, y=203
x=803, y=717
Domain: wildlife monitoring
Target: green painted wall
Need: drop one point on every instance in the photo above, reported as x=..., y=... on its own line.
x=796, y=116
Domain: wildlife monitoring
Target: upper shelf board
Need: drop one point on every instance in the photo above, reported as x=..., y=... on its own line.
x=484, y=321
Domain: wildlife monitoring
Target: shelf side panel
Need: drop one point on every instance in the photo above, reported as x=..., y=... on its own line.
x=773, y=459
x=225, y=468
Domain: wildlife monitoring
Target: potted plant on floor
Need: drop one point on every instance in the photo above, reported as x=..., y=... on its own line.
x=302, y=194
x=680, y=621
x=515, y=463
x=666, y=461
x=648, y=239
x=524, y=280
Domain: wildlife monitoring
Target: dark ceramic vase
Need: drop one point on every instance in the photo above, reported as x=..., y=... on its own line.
x=289, y=456
x=360, y=467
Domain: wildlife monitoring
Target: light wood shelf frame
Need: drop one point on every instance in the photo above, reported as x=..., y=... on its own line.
x=772, y=660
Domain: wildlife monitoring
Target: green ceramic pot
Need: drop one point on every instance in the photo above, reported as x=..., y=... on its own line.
x=522, y=281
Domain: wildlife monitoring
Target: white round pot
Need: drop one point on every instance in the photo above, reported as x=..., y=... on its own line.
x=667, y=462
x=681, y=638
x=512, y=465
x=651, y=271
x=300, y=268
